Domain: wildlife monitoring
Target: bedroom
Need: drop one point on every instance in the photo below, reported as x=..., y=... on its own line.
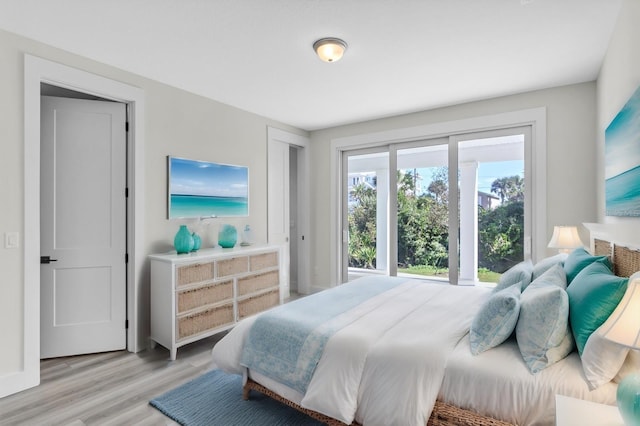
x=568, y=109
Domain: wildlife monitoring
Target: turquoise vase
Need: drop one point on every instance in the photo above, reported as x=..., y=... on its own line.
x=227, y=236
x=628, y=397
x=183, y=241
x=197, y=242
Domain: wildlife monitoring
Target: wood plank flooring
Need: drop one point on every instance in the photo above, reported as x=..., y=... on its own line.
x=112, y=388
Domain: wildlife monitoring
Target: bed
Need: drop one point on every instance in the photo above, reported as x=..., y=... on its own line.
x=401, y=354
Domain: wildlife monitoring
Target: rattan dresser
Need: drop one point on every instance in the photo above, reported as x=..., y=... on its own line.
x=200, y=294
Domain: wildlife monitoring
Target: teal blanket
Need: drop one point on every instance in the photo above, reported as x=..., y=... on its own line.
x=285, y=343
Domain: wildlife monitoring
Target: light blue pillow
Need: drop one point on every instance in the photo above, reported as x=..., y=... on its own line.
x=578, y=260
x=543, y=332
x=496, y=319
x=520, y=273
x=545, y=264
x=593, y=295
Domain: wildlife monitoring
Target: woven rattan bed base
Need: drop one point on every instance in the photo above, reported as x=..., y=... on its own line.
x=442, y=415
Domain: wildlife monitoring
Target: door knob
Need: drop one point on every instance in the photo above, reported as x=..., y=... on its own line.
x=47, y=259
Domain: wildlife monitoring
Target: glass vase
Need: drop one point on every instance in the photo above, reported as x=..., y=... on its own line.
x=183, y=241
x=227, y=236
x=197, y=242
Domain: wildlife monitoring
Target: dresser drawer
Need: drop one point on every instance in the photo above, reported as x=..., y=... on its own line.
x=206, y=320
x=258, y=282
x=254, y=304
x=262, y=261
x=233, y=266
x=194, y=273
x=205, y=295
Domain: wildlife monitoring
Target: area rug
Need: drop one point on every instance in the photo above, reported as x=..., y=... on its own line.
x=215, y=399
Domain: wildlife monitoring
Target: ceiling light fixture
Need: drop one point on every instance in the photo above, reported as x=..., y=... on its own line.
x=330, y=49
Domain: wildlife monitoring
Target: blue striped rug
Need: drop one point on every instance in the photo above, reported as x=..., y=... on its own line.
x=215, y=398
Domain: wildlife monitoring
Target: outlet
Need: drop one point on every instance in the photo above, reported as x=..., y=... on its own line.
x=11, y=240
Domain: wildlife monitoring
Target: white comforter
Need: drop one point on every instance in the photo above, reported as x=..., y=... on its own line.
x=385, y=367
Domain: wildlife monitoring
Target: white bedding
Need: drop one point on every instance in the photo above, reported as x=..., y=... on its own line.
x=389, y=366
x=497, y=383
x=386, y=367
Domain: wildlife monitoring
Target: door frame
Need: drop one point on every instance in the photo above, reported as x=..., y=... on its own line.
x=38, y=70
x=534, y=117
x=301, y=142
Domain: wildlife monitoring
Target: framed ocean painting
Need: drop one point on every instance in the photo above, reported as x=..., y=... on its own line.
x=622, y=161
x=200, y=189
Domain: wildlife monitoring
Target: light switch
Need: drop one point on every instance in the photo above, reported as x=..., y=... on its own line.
x=11, y=240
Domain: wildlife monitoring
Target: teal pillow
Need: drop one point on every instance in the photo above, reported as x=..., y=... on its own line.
x=543, y=332
x=593, y=295
x=496, y=319
x=520, y=273
x=578, y=260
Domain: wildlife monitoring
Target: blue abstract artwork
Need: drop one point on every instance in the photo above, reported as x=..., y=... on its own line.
x=622, y=161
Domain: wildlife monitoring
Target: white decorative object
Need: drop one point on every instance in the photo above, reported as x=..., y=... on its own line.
x=565, y=239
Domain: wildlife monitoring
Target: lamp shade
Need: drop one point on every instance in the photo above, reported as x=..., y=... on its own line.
x=565, y=238
x=623, y=327
x=330, y=49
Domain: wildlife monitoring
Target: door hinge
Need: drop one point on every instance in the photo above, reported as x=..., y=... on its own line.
x=126, y=193
x=126, y=258
x=126, y=324
x=126, y=126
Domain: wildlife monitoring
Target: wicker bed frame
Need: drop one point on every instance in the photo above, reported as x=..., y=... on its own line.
x=625, y=261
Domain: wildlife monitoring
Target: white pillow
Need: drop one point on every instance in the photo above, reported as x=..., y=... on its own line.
x=601, y=359
x=543, y=332
x=496, y=319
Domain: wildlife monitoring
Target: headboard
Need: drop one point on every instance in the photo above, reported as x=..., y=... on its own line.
x=625, y=260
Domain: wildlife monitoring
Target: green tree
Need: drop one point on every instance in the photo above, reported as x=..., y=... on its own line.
x=509, y=188
x=362, y=227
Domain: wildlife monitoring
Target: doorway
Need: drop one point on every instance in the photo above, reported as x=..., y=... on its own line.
x=37, y=71
x=83, y=224
x=288, y=206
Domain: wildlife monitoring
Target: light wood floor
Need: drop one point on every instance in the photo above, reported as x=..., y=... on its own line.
x=112, y=388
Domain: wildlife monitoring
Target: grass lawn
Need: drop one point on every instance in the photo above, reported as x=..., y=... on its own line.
x=484, y=274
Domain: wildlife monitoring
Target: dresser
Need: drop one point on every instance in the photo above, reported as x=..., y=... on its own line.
x=196, y=295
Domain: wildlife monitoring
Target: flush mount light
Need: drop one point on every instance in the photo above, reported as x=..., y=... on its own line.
x=330, y=49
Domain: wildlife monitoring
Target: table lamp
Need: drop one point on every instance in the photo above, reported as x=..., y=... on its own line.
x=565, y=239
x=623, y=327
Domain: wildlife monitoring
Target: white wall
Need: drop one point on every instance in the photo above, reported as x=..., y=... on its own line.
x=177, y=123
x=571, y=155
x=619, y=78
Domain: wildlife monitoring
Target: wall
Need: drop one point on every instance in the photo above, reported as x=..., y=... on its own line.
x=177, y=123
x=571, y=154
x=619, y=78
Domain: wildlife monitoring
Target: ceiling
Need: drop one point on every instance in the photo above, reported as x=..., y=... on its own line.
x=403, y=55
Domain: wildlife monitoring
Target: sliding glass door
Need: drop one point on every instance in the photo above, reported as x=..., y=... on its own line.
x=422, y=188
x=494, y=216
x=461, y=209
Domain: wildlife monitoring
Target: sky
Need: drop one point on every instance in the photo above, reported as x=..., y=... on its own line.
x=487, y=173
x=208, y=179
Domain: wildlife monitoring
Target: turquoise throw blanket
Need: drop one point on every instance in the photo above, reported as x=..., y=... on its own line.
x=285, y=343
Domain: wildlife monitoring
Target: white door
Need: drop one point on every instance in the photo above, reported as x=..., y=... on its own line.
x=278, y=203
x=82, y=227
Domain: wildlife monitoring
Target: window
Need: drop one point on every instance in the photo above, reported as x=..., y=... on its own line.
x=462, y=209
